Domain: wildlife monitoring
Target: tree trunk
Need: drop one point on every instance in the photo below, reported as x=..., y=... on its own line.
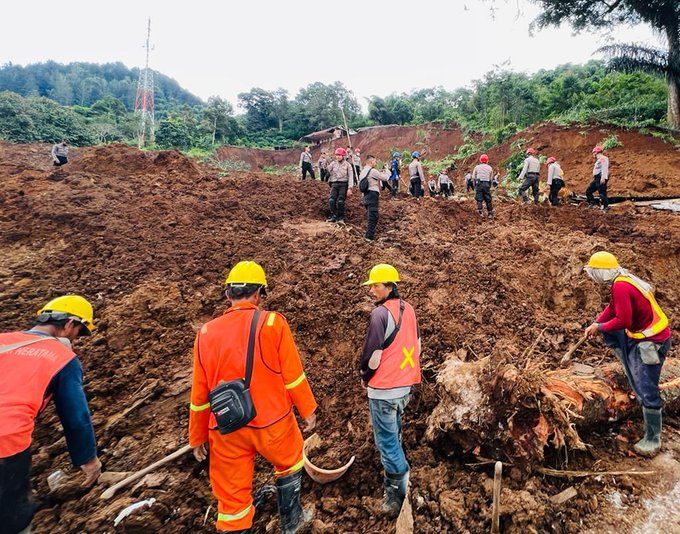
x=515, y=411
x=673, y=115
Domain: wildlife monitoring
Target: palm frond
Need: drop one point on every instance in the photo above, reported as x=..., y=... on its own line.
x=632, y=57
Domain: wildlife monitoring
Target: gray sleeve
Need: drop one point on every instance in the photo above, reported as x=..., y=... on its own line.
x=605, y=169
x=375, y=338
x=524, y=169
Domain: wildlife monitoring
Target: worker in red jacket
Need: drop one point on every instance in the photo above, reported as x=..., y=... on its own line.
x=635, y=326
x=278, y=382
x=37, y=366
x=390, y=366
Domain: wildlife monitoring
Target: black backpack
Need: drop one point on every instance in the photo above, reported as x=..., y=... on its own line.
x=363, y=183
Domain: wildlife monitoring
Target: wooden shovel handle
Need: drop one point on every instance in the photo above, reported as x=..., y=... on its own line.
x=565, y=359
x=139, y=474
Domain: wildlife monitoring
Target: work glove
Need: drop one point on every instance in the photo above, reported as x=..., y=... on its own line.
x=92, y=470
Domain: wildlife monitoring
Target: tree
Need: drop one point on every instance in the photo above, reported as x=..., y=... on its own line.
x=260, y=106
x=662, y=15
x=16, y=124
x=321, y=104
x=281, y=106
x=218, y=120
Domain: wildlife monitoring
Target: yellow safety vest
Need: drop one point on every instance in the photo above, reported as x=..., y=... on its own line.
x=659, y=321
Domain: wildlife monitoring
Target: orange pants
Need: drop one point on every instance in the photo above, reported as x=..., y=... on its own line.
x=232, y=462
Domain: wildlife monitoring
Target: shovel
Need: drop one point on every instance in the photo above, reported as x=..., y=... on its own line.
x=139, y=474
x=565, y=359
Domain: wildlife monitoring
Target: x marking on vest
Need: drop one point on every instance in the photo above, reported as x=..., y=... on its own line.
x=408, y=358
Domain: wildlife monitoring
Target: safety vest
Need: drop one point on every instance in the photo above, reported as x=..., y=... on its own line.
x=25, y=374
x=222, y=347
x=400, y=361
x=659, y=319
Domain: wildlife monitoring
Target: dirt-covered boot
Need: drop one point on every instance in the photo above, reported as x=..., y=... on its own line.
x=651, y=443
x=293, y=517
x=395, y=492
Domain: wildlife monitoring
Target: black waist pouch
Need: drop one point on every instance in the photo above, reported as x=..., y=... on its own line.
x=232, y=405
x=231, y=402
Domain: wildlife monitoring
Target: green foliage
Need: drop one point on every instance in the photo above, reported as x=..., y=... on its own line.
x=86, y=83
x=664, y=18
x=281, y=169
x=447, y=162
x=466, y=150
x=38, y=119
x=204, y=154
x=513, y=163
x=229, y=165
x=611, y=142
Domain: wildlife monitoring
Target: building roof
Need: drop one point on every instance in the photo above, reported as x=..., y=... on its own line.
x=325, y=134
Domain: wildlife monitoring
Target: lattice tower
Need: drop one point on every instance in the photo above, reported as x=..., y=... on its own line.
x=144, y=105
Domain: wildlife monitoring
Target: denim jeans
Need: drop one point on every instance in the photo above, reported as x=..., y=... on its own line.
x=386, y=419
x=643, y=378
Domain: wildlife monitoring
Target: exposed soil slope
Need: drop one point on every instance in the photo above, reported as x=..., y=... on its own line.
x=644, y=165
x=149, y=238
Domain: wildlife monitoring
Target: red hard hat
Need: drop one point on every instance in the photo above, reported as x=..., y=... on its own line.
x=357, y=150
x=340, y=152
x=531, y=151
x=484, y=158
x=551, y=159
x=597, y=150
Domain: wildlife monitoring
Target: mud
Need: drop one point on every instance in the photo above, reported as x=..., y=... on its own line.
x=149, y=238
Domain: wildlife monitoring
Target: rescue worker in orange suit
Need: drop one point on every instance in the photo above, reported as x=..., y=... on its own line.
x=390, y=366
x=36, y=366
x=636, y=328
x=278, y=383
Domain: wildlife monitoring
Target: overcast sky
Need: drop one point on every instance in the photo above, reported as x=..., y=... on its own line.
x=375, y=47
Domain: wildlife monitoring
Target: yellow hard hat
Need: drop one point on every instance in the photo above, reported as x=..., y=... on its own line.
x=70, y=307
x=247, y=272
x=603, y=260
x=382, y=273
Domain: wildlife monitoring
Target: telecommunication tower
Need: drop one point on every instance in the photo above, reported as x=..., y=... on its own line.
x=144, y=106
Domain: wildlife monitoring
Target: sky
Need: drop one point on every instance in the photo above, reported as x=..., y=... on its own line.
x=375, y=47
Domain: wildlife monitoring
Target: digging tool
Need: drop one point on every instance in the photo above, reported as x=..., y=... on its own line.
x=322, y=476
x=139, y=474
x=567, y=356
x=497, y=474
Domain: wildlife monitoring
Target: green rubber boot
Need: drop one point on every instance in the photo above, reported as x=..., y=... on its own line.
x=649, y=445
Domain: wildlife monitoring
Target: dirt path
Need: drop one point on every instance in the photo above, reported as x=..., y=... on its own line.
x=149, y=237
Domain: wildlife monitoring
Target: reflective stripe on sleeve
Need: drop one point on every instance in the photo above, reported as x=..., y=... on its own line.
x=194, y=408
x=270, y=319
x=296, y=382
x=234, y=517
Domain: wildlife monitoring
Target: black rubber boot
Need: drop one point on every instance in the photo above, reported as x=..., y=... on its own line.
x=395, y=492
x=651, y=444
x=332, y=206
x=293, y=517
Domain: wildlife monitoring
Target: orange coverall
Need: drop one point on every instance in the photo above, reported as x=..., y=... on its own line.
x=278, y=381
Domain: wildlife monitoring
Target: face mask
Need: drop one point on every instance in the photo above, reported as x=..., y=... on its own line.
x=601, y=276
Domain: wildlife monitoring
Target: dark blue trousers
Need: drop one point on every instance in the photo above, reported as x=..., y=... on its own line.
x=643, y=377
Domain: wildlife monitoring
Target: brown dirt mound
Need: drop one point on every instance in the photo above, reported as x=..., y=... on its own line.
x=150, y=247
